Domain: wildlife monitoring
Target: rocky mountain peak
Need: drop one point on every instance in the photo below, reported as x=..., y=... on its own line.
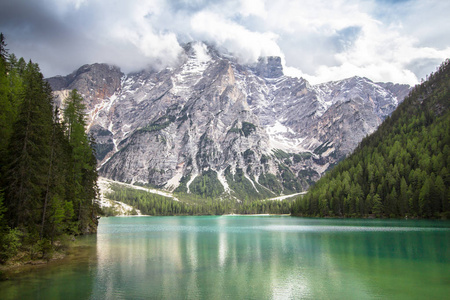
x=94, y=82
x=211, y=121
x=398, y=90
x=269, y=67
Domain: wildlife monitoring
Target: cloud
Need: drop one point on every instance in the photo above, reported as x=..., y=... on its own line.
x=385, y=40
x=63, y=35
x=325, y=40
x=246, y=45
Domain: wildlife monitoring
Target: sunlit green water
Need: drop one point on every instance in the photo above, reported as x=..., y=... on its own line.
x=231, y=257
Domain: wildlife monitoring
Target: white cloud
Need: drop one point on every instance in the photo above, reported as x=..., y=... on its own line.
x=253, y=8
x=321, y=40
x=380, y=50
x=151, y=46
x=246, y=45
x=381, y=54
x=201, y=52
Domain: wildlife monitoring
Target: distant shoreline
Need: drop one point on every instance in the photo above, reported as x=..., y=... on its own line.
x=224, y=215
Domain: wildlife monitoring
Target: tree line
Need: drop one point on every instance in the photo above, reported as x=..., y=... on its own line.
x=48, y=177
x=157, y=205
x=401, y=170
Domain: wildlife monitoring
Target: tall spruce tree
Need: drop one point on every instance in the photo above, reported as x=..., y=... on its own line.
x=28, y=151
x=53, y=206
x=5, y=107
x=3, y=50
x=82, y=173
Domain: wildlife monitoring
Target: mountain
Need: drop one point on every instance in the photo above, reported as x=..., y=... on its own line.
x=211, y=126
x=401, y=170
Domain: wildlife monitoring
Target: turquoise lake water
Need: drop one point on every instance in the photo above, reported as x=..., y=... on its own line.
x=251, y=257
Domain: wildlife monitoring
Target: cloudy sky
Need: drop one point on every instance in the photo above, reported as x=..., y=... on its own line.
x=320, y=40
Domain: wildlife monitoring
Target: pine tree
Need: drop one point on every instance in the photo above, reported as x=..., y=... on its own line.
x=82, y=173
x=28, y=151
x=48, y=170
x=53, y=210
x=377, y=205
x=2, y=215
x=401, y=169
x=3, y=50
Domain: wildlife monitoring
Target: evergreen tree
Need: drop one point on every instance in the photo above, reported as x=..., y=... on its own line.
x=2, y=215
x=48, y=170
x=54, y=208
x=3, y=50
x=29, y=151
x=82, y=173
x=401, y=169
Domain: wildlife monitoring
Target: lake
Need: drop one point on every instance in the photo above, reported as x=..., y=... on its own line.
x=248, y=257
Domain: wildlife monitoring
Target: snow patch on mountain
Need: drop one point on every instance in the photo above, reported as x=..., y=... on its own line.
x=212, y=113
x=223, y=181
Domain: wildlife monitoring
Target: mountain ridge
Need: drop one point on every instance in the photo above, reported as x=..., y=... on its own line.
x=401, y=170
x=248, y=129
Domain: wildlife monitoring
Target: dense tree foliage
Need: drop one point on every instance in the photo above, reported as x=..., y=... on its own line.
x=48, y=168
x=156, y=205
x=207, y=185
x=400, y=170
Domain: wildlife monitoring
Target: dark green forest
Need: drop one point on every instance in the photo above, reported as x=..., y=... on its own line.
x=48, y=177
x=401, y=170
x=156, y=205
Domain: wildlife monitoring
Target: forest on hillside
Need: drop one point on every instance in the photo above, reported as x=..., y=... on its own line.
x=48, y=176
x=157, y=205
x=401, y=170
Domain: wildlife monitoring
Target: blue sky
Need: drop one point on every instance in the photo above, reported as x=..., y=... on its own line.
x=320, y=40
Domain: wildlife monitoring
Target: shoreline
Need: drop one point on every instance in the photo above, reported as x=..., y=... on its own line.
x=224, y=215
x=285, y=215
x=17, y=268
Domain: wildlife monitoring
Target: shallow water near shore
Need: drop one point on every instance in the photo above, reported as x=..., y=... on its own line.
x=238, y=257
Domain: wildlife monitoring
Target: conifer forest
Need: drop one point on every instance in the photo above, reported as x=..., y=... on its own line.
x=48, y=169
x=401, y=170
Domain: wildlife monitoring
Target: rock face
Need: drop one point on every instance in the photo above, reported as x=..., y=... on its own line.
x=214, y=127
x=95, y=82
x=269, y=67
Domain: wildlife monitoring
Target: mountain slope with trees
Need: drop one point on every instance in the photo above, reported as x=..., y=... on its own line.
x=157, y=205
x=48, y=168
x=211, y=126
x=401, y=170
